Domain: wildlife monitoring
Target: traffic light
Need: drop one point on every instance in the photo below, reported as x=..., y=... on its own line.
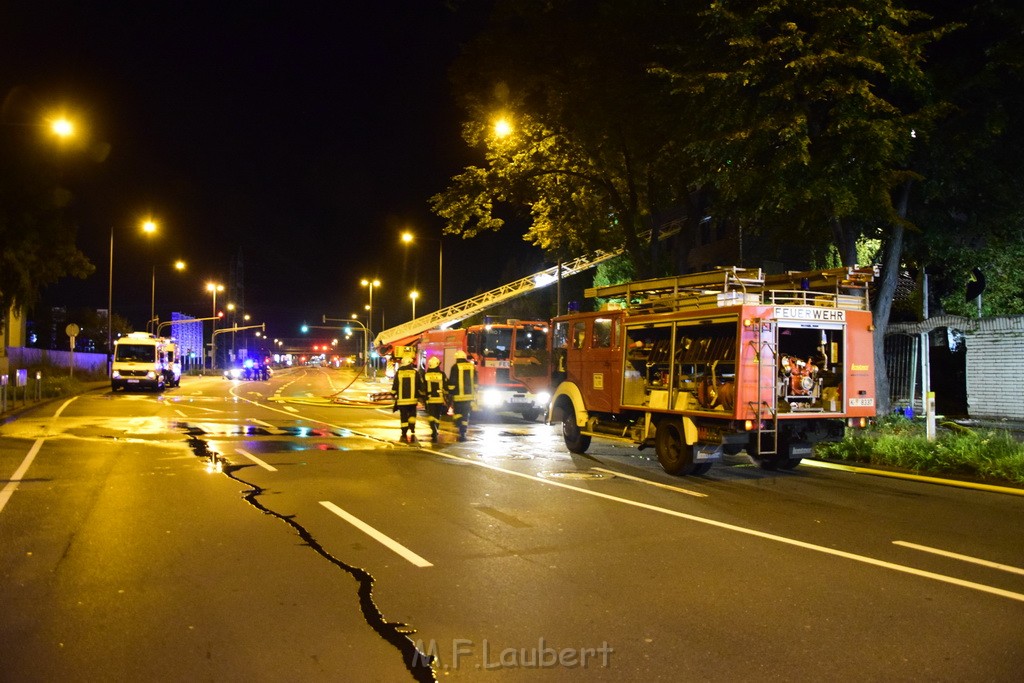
x=304, y=328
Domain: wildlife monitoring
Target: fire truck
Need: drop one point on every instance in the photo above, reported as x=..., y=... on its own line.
x=709, y=363
x=510, y=358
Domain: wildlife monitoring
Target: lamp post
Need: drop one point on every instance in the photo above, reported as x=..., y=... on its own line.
x=413, y=295
x=371, y=284
x=213, y=288
x=154, y=320
x=369, y=318
x=149, y=227
x=409, y=238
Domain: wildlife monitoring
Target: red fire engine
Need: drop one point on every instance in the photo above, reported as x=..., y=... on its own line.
x=510, y=361
x=706, y=363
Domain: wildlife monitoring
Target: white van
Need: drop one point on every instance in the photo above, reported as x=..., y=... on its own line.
x=140, y=361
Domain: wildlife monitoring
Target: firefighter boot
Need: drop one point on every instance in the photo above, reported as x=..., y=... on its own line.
x=433, y=432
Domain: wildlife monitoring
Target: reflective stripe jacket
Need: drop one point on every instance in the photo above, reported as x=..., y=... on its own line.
x=408, y=386
x=462, y=381
x=435, y=381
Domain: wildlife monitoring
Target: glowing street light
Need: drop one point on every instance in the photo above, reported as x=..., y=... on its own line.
x=409, y=238
x=62, y=127
x=413, y=295
x=371, y=284
x=502, y=127
x=213, y=288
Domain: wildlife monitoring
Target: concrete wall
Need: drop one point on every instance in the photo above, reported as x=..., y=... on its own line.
x=995, y=362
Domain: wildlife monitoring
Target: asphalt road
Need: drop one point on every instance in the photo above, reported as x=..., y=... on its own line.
x=227, y=530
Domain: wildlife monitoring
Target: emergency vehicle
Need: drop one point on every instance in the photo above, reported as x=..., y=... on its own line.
x=145, y=361
x=510, y=358
x=709, y=363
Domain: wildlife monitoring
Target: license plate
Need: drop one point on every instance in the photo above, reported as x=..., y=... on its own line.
x=862, y=402
x=133, y=381
x=519, y=399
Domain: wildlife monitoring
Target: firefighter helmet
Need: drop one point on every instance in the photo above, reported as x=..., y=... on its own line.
x=433, y=362
x=407, y=360
x=460, y=355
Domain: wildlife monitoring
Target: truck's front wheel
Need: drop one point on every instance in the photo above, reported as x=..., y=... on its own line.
x=575, y=441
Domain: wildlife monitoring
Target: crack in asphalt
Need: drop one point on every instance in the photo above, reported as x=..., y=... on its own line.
x=420, y=664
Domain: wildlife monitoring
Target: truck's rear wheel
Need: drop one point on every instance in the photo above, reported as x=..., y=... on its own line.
x=779, y=460
x=670, y=445
x=575, y=441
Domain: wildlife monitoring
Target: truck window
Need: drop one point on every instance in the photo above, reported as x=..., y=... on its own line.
x=602, y=333
x=579, y=334
x=135, y=353
x=530, y=340
x=560, y=337
x=497, y=343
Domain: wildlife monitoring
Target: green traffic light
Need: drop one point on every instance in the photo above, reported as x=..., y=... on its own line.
x=305, y=329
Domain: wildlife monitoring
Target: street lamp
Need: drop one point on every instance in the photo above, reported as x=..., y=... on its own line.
x=148, y=227
x=408, y=238
x=62, y=128
x=213, y=288
x=154, y=320
x=371, y=284
x=413, y=295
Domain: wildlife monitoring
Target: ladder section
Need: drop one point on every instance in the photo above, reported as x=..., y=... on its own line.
x=767, y=412
x=734, y=286
x=481, y=302
x=845, y=287
x=452, y=314
x=721, y=287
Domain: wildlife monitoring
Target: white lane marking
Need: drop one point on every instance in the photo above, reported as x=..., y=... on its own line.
x=181, y=413
x=291, y=410
x=19, y=473
x=269, y=468
x=696, y=494
x=376, y=535
x=261, y=423
x=63, y=406
x=752, y=532
x=964, y=558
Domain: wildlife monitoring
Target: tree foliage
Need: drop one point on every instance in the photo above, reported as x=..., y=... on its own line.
x=968, y=201
x=816, y=106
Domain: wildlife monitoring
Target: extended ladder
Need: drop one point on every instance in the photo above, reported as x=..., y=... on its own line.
x=452, y=314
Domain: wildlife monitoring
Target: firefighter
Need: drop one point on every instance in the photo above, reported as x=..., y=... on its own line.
x=462, y=387
x=408, y=390
x=437, y=394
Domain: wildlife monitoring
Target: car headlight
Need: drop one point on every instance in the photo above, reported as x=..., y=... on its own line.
x=116, y=374
x=150, y=375
x=491, y=398
x=542, y=399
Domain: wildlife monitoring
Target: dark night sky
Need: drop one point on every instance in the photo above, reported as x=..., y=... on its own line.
x=302, y=136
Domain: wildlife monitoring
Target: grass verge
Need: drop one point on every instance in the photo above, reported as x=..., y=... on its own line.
x=992, y=456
